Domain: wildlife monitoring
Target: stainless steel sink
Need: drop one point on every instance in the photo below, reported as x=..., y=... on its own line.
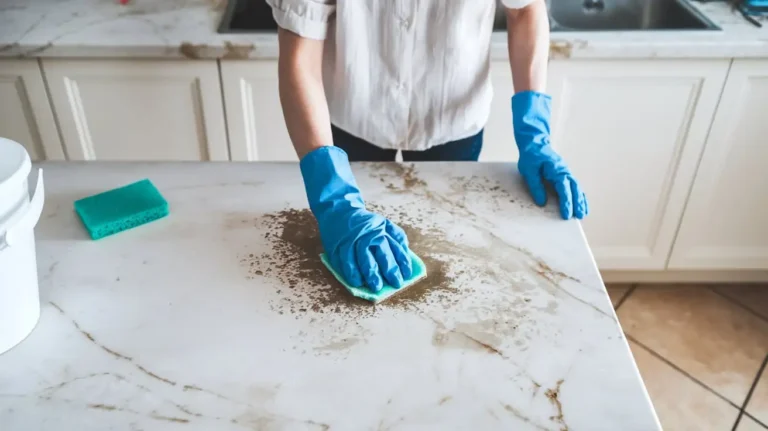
x=255, y=16
x=626, y=15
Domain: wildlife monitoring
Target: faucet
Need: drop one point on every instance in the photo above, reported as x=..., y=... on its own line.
x=593, y=5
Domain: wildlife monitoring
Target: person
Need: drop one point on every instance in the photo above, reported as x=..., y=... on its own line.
x=361, y=79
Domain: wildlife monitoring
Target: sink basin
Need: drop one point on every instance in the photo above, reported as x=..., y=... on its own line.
x=626, y=15
x=247, y=16
x=255, y=16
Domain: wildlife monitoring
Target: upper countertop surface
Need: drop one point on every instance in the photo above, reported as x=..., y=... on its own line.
x=220, y=316
x=188, y=29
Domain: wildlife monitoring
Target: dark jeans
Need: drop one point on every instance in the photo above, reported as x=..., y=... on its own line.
x=359, y=150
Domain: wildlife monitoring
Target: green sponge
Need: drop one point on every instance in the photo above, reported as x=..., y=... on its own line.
x=121, y=209
x=419, y=272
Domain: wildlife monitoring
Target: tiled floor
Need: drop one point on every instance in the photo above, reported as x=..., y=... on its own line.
x=702, y=352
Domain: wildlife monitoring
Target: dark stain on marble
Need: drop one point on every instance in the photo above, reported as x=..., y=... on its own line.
x=155, y=416
x=51, y=269
x=554, y=397
x=562, y=49
x=169, y=419
x=192, y=51
x=518, y=414
x=553, y=276
x=155, y=376
x=35, y=51
x=404, y=171
x=105, y=407
x=114, y=353
x=91, y=338
x=452, y=338
x=195, y=388
x=343, y=344
x=237, y=51
x=536, y=388
x=9, y=47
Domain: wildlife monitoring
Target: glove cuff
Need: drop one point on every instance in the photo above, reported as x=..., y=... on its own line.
x=531, y=112
x=328, y=180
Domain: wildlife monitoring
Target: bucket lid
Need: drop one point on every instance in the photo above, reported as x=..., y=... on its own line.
x=14, y=164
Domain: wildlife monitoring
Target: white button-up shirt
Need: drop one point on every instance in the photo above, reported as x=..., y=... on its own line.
x=402, y=74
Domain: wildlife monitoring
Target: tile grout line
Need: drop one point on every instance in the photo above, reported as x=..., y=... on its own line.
x=733, y=301
x=746, y=413
x=751, y=390
x=680, y=370
x=623, y=299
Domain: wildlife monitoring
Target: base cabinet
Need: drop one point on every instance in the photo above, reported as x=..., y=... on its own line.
x=633, y=132
x=138, y=110
x=257, y=129
x=725, y=225
x=25, y=112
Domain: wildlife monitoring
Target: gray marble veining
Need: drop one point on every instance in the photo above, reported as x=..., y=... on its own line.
x=187, y=29
x=220, y=316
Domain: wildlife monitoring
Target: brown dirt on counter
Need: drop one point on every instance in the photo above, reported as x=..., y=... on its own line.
x=438, y=281
x=294, y=261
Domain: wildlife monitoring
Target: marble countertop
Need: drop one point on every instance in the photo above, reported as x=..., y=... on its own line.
x=188, y=29
x=221, y=317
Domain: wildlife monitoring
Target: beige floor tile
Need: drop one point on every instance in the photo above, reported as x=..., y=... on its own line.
x=702, y=333
x=617, y=291
x=758, y=404
x=681, y=403
x=747, y=424
x=752, y=296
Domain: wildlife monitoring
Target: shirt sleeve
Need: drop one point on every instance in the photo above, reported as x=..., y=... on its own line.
x=307, y=18
x=516, y=4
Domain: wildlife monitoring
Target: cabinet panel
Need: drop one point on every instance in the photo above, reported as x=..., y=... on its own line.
x=632, y=132
x=255, y=120
x=725, y=225
x=138, y=110
x=25, y=113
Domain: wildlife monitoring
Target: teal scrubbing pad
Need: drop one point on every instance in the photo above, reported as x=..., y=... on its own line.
x=419, y=272
x=121, y=209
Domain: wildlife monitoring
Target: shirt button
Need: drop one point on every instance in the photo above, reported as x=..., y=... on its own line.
x=405, y=22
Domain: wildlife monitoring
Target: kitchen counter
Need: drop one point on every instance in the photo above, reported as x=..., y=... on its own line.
x=221, y=317
x=187, y=29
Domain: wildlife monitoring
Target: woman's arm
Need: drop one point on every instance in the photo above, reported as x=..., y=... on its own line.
x=528, y=45
x=302, y=95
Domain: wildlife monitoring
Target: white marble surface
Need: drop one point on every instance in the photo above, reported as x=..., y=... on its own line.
x=187, y=29
x=181, y=325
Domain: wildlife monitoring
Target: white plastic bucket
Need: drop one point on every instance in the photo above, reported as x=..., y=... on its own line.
x=19, y=298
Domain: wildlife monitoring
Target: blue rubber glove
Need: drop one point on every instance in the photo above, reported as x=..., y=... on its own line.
x=362, y=246
x=538, y=161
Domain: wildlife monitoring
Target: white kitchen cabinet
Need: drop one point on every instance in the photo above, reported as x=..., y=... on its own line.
x=257, y=129
x=25, y=113
x=725, y=225
x=633, y=132
x=138, y=110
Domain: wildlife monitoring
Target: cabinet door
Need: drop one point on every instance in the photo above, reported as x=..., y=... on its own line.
x=138, y=110
x=633, y=132
x=25, y=113
x=725, y=225
x=498, y=137
x=255, y=120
